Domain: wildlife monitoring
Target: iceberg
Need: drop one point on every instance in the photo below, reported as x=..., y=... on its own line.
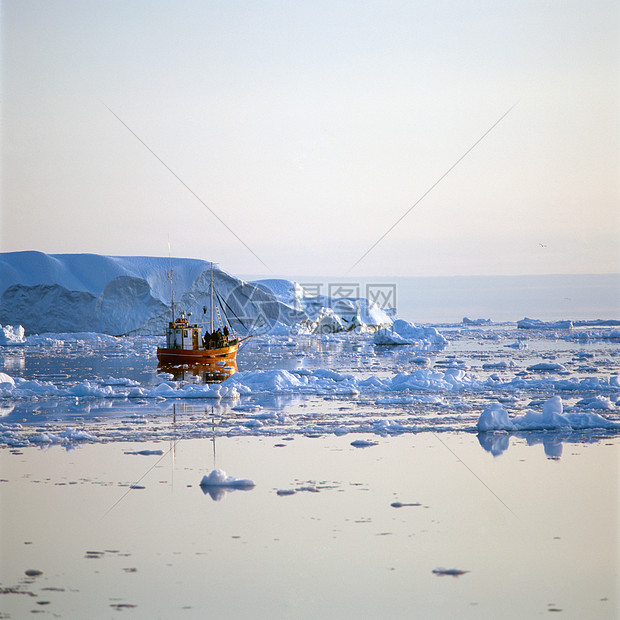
x=131, y=295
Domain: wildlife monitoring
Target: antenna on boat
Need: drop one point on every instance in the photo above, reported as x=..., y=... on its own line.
x=170, y=275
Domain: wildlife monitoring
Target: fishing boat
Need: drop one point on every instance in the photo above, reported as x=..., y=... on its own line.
x=192, y=343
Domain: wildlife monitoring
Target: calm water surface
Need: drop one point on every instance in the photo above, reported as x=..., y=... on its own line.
x=534, y=534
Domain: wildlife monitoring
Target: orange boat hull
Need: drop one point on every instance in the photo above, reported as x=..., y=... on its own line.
x=198, y=356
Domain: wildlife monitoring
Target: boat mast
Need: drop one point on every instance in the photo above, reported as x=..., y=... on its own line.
x=170, y=275
x=211, y=317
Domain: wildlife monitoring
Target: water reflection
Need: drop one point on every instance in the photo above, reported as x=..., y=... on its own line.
x=13, y=362
x=552, y=441
x=218, y=493
x=215, y=372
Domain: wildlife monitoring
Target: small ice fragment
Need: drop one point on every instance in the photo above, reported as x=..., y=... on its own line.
x=363, y=443
x=400, y=504
x=147, y=452
x=453, y=572
x=218, y=478
x=286, y=492
x=33, y=572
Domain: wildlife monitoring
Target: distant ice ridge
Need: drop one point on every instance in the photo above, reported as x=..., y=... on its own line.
x=132, y=296
x=538, y=324
x=552, y=417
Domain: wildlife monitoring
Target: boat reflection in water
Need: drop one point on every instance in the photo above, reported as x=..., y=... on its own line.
x=214, y=372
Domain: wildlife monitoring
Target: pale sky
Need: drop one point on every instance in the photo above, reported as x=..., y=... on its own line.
x=310, y=128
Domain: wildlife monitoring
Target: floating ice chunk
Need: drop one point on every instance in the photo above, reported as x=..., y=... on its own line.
x=537, y=324
x=404, y=332
x=364, y=443
x=218, y=478
x=596, y=402
x=6, y=381
x=147, y=452
x=452, y=572
x=11, y=335
x=121, y=381
x=496, y=418
x=73, y=434
x=137, y=392
x=547, y=367
x=265, y=381
x=87, y=389
x=468, y=321
x=501, y=365
x=247, y=407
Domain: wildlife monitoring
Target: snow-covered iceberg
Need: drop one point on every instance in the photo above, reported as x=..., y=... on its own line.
x=131, y=296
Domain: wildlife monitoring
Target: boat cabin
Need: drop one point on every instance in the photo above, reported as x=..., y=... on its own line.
x=181, y=334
